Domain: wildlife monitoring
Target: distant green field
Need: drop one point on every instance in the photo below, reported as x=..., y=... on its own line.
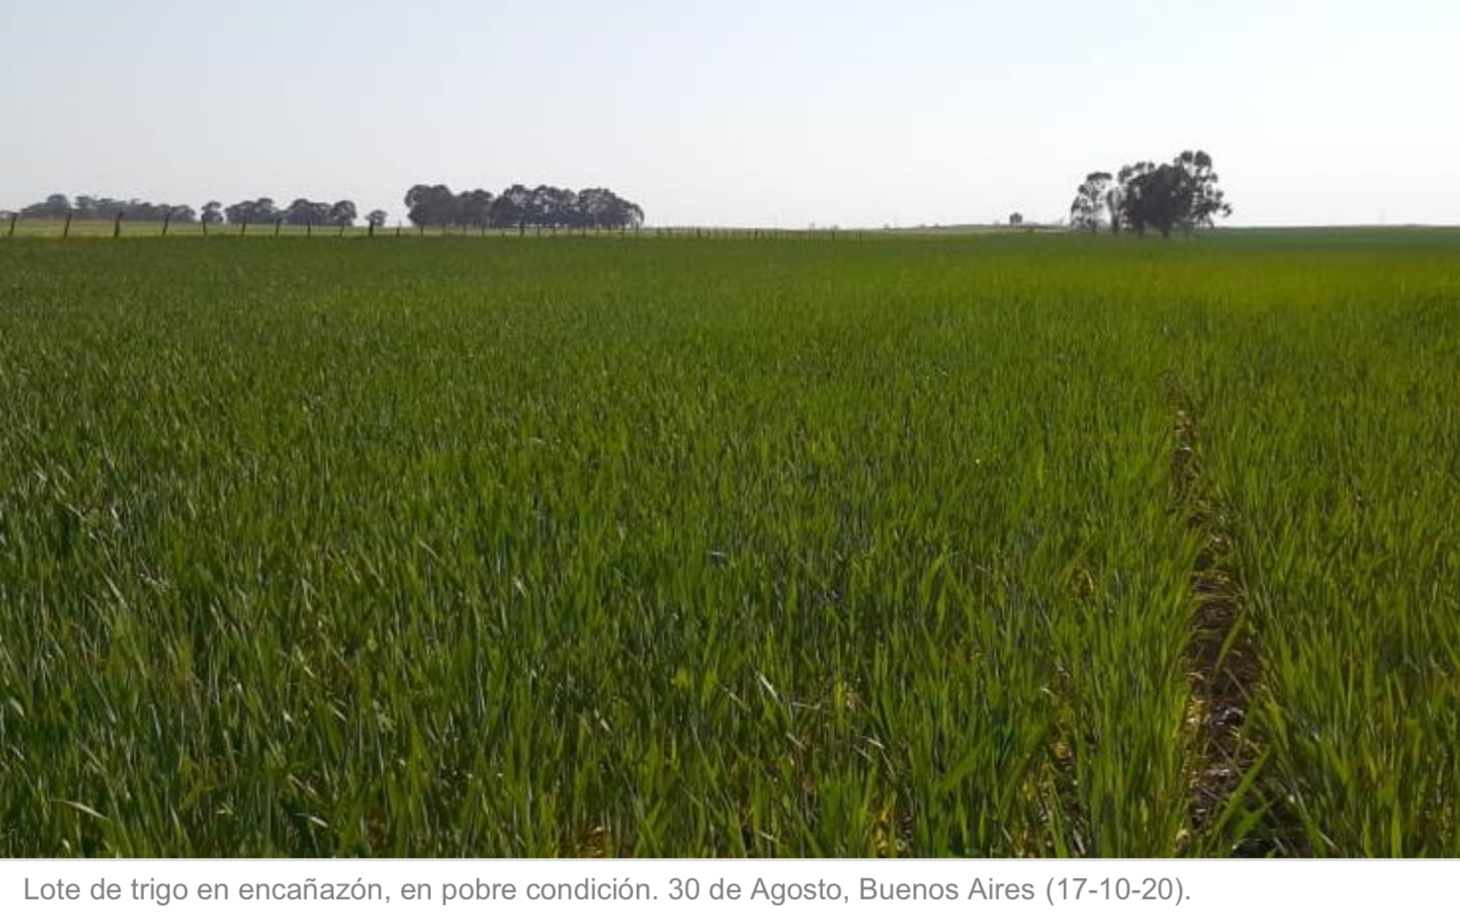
x=993, y=545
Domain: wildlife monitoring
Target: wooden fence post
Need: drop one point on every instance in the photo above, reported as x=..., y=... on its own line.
x=309, y=229
x=371, y=232
x=13, y=216
x=243, y=229
x=66, y=231
x=166, y=220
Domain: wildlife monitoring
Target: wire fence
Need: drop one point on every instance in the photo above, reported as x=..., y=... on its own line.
x=13, y=226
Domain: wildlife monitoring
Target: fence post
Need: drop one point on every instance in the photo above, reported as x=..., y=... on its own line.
x=13, y=216
x=371, y=232
x=205, y=227
x=66, y=231
x=278, y=225
x=342, y=230
x=117, y=227
x=309, y=229
x=166, y=220
x=243, y=229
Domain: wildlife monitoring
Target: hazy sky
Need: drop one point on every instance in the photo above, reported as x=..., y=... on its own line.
x=738, y=111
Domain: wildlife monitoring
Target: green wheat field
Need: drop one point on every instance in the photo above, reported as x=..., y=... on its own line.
x=993, y=545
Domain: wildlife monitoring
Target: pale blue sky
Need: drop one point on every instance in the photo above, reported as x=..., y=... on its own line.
x=744, y=112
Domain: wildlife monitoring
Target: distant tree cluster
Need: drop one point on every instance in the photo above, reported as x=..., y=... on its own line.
x=299, y=212
x=85, y=207
x=434, y=206
x=1181, y=195
x=519, y=206
x=257, y=211
x=303, y=211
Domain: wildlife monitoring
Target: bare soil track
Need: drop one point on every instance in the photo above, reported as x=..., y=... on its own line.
x=1222, y=661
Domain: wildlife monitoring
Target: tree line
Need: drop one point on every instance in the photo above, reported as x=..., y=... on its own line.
x=1181, y=195
x=519, y=206
x=300, y=212
x=85, y=207
x=258, y=211
x=426, y=205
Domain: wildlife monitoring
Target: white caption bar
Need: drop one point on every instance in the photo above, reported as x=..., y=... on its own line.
x=606, y=891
